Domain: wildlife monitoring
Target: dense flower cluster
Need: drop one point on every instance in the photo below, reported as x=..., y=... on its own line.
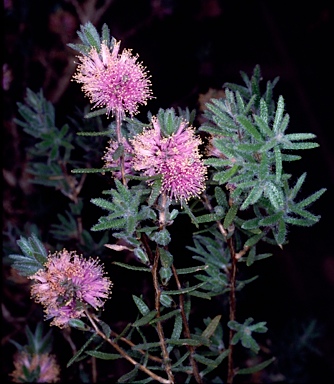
x=114, y=81
x=175, y=157
x=66, y=284
x=41, y=368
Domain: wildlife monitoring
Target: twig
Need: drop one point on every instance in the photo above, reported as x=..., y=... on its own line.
x=160, y=331
x=230, y=369
x=125, y=355
x=187, y=330
x=165, y=354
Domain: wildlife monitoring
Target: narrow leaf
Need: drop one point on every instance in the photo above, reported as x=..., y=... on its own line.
x=103, y=355
x=210, y=329
x=255, y=368
x=232, y=212
x=250, y=127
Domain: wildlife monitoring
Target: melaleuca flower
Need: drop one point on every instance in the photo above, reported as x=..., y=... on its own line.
x=175, y=157
x=37, y=368
x=68, y=283
x=110, y=162
x=114, y=81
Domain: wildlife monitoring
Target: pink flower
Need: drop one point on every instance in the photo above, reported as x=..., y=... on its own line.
x=110, y=162
x=66, y=284
x=114, y=81
x=175, y=157
x=44, y=366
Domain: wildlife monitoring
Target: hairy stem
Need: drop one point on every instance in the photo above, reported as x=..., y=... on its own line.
x=187, y=330
x=165, y=354
x=160, y=331
x=120, y=142
x=125, y=355
x=233, y=273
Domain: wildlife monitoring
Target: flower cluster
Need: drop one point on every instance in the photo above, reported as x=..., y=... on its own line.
x=40, y=368
x=176, y=157
x=67, y=284
x=114, y=81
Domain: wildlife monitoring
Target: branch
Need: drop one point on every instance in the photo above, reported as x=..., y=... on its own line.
x=125, y=355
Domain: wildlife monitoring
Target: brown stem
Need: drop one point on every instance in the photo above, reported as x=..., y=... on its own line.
x=125, y=340
x=157, y=290
x=208, y=205
x=160, y=331
x=230, y=369
x=186, y=329
x=120, y=142
x=129, y=342
x=94, y=370
x=125, y=355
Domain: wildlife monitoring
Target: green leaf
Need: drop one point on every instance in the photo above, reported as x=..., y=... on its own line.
x=156, y=188
x=34, y=258
x=161, y=237
x=141, y=255
x=296, y=146
x=143, y=308
x=184, y=271
x=279, y=114
x=263, y=126
x=281, y=232
x=177, y=330
x=310, y=199
x=230, y=216
x=253, y=240
x=255, y=368
x=128, y=377
x=250, y=127
x=278, y=164
x=145, y=319
x=251, y=257
x=299, y=136
x=275, y=195
x=209, y=217
x=204, y=360
x=271, y=219
x=166, y=257
x=254, y=195
x=224, y=177
x=166, y=316
x=103, y=355
x=81, y=350
x=210, y=329
x=185, y=290
x=251, y=223
x=296, y=188
x=132, y=267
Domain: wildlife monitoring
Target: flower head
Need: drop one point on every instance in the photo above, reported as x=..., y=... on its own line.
x=114, y=81
x=41, y=368
x=176, y=157
x=67, y=283
x=110, y=161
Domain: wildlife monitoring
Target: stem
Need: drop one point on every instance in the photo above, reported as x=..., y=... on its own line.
x=230, y=369
x=125, y=340
x=160, y=331
x=208, y=206
x=187, y=330
x=165, y=354
x=120, y=142
x=125, y=355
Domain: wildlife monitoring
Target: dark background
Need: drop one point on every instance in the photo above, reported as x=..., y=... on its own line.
x=188, y=48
